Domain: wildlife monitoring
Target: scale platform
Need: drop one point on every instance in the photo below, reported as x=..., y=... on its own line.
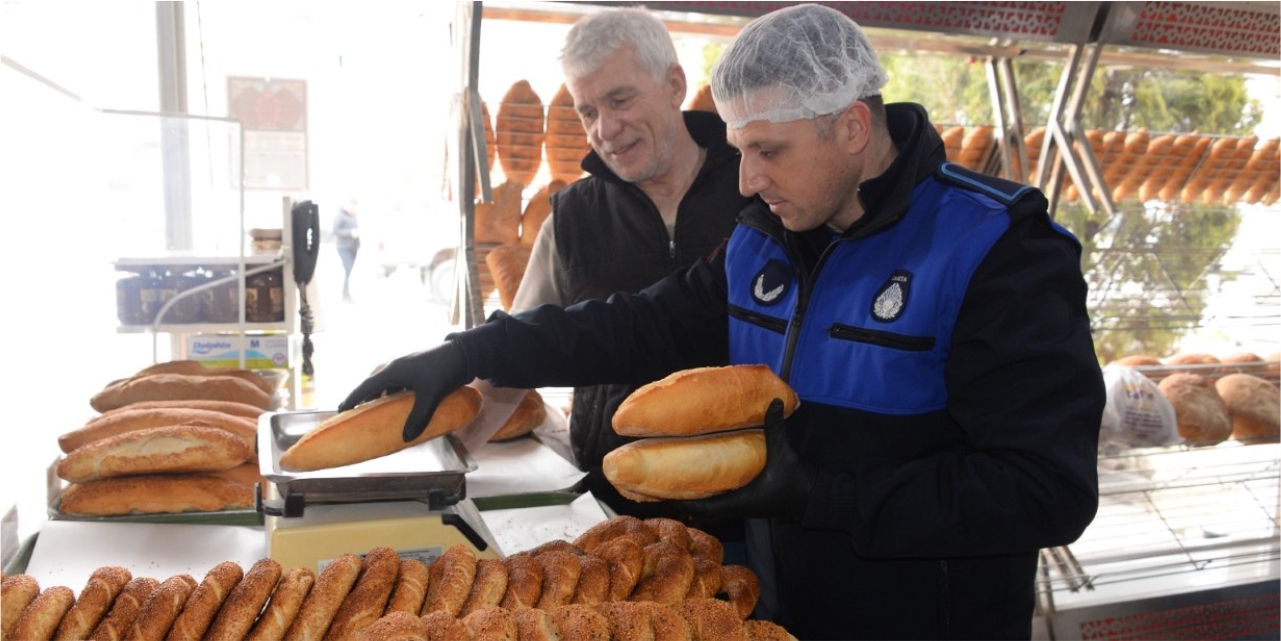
x=413, y=501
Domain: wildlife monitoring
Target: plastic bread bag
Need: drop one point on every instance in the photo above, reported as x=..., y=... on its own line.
x=1137, y=414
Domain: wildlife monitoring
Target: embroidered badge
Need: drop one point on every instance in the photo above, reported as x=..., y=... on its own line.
x=770, y=284
x=892, y=297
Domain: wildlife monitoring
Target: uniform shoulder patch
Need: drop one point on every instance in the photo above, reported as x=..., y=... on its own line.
x=1004, y=191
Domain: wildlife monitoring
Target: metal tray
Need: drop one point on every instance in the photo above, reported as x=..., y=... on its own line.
x=434, y=471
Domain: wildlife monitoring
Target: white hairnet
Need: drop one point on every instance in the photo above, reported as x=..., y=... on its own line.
x=795, y=63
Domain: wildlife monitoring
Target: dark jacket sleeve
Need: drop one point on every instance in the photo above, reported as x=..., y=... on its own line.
x=678, y=323
x=1025, y=390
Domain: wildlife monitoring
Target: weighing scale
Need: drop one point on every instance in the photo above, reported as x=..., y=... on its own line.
x=413, y=501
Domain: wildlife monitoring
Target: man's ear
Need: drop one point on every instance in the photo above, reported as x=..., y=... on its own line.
x=675, y=80
x=856, y=123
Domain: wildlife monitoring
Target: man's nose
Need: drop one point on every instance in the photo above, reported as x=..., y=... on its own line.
x=750, y=180
x=607, y=126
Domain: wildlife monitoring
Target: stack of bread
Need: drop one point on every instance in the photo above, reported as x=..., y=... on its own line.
x=697, y=432
x=622, y=579
x=1218, y=397
x=174, y=437
x=566, y=141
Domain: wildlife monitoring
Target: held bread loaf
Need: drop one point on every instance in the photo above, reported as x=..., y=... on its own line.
x=129, y=420
x=157, y=450
x=1199, y=410
x=703, y=400
x=155, y=494
x=686, y=467
x=1253, y=405
x=374, y=429
x=160, y=387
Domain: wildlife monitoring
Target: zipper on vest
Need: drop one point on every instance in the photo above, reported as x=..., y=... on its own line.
x=671, y=248
x=759, y=320
x=883, y=339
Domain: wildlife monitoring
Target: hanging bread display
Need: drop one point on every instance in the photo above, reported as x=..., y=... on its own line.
x=566, y=141
x=1118, y=177
x=975, y=145
x=498, y=222
x=519, y=131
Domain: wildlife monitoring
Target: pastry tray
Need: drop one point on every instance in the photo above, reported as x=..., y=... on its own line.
x=433, y=471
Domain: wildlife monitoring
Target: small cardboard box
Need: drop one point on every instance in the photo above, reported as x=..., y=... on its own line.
x=218, y=350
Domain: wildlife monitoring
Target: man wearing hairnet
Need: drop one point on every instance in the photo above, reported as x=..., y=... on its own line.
x=932, y=321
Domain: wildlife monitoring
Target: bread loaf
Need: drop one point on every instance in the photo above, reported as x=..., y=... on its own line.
x=172, y=387
x=498, y=221
x=529, y=414
x=686, y=467
x=129, y=420
x=247, y=473
x=244, y=602
x=411, y=588
x=1188, y=150
x=1243, y=363
x=491, y=623
x=566, y=142
x=450, y=579
x=104, y=585
x=524, y=582
x=368, y=598
x=537, y=211
x=1199, y=410
x=1253, y=406
x=40, y=619
x=158, y=450
x=324, y=599
x=375, y=429
x=703, y=400
x=233, y=408
x=205, y=601
x=488, y=587
x=284, y=605
x=124, y=609
x=16, y=593
x=155, y=494
x=161, y=607
x=507, y=265
x=1139, y=360
x=395, y=626
x=520, y=129
x=702, y=100
x=197, y=368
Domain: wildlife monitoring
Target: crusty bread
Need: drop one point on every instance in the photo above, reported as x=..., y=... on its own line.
x=1199, y=410
x=537, y=211
x=1243, y=363
x=197, y=368
x=102, y=588
x=248, y=473
x=1253, y=405
x=284, y=605
x=566, y=142
x=16, y=593
x=450, y=578
x=395, y=626
x=375, y=429
x=160, y=387
x=205, y=601
x=411, y=588
x=155, y=494
x=324, y=599
x=160, y=609
x=244, y=602
x=488, y=587
x=40, y=619
x=368, y=597
x=498, y=222
x=124, y=609
x=156, y=450
x=507, y=264
x=128, y=420
x=1139, y=360
x=703, y=400
x=529, y=414
x=226, y=407
x=520, y=130
x=686, y=467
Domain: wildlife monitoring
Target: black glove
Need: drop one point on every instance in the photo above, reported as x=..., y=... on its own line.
x=431, y=375
x=780, y=491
